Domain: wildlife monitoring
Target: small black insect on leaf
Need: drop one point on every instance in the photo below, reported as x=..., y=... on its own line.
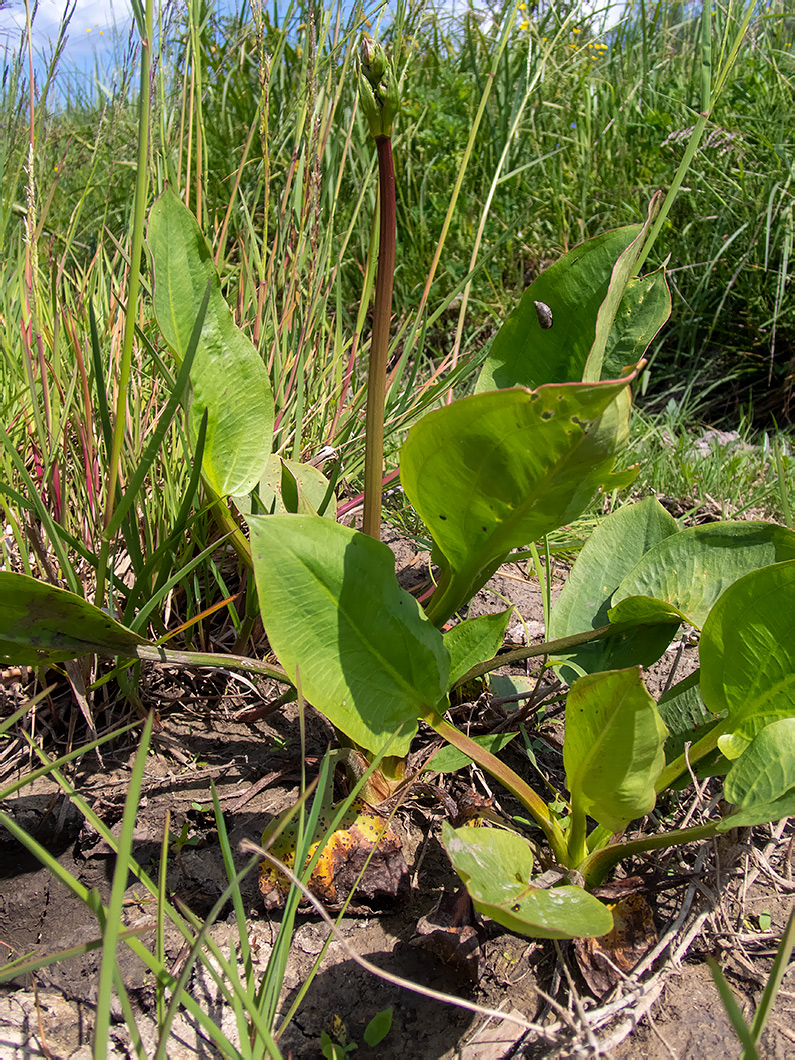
x=544, y=314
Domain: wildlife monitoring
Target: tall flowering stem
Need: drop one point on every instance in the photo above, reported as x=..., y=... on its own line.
x=379, y=99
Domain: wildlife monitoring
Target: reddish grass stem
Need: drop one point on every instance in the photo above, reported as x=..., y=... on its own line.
x=379, y=342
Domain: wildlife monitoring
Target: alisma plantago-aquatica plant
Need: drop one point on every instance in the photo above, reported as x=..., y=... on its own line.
x=487, y=474
x=490, y=473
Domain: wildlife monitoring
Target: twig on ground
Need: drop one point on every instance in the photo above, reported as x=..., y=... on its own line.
x=574, y=994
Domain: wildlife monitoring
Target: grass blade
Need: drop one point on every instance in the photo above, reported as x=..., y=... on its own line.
x=115, y=906
x=777, y=973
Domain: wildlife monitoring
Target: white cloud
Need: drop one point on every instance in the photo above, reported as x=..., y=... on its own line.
x=95, y=19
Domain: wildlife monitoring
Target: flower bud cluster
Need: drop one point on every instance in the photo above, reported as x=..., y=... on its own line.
x=378, y=90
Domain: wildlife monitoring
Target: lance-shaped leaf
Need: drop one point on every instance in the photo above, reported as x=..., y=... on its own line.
x=449, y=759
x=609, y=554
x=534, y=346
x=613, y=752
x=644, y=309
x=761, y=783
x=357, y=645
x=691, y=569
x=496, y=867
x=495, y=471
x=228, y=377
x=747, y=654
x=42, y=624
x=630, y=302
x=474, y=640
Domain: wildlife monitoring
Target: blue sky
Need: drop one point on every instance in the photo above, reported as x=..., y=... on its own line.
x=91, y=33
x=92, y=26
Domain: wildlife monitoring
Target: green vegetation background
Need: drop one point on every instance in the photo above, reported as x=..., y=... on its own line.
x=254, y=120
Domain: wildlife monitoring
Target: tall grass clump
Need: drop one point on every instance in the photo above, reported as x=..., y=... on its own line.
x=609, y=123
x=574, y=130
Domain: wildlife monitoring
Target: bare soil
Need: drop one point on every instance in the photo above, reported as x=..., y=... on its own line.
x=729, y=899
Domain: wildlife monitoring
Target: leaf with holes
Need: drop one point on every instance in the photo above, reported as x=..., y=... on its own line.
x=548, y=336
x=495, y=471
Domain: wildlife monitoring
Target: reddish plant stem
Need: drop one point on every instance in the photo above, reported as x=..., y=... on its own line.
x=379, y=342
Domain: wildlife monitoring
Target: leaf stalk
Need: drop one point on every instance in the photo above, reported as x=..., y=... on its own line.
x=506, y=776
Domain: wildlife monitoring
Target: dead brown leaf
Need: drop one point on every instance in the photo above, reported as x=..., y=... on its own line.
x=363, y=834
x=604, y=961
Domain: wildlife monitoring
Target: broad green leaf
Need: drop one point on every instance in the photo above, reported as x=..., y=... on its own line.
x=608, y=555
x=747, y=654
x=526, y=354
x=496, y=867
x=449, y=759
x=305, y=490
x=495, y=471
x=761, y=783
x=613, y=751
x=637, y=610
x=505, y=685
x=474, y=640
x=289, y=486
x=687, y=720
x=691, y=569
x=357, y=645
x=378, y=1027
x=682, y=708
x=42, y=624
x=228, y=377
